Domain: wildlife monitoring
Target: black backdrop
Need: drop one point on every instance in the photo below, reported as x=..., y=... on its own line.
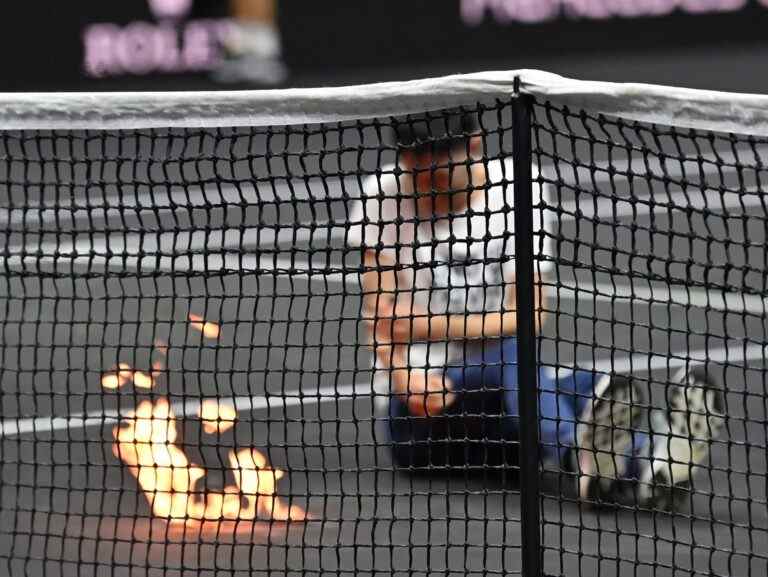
x=347, y=41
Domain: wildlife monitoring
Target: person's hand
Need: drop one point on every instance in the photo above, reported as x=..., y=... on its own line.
x=391, y=327
x=398, y=320
x=510, y=297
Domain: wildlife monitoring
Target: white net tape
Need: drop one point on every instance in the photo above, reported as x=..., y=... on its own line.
x=682, y=107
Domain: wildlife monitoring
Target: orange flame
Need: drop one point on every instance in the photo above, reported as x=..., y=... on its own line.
x=210, y=330
x=125, y=375
x=157, y=369
x=146, y=443
x=217, y=418
x=158, y=366
x=161, y=348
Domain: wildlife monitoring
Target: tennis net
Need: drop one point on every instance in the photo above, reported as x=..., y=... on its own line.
x=246, y=333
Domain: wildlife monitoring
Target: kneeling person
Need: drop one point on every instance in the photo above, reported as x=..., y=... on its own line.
x=438, y=282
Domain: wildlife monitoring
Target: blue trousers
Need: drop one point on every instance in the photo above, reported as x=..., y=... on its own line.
x=480, y=429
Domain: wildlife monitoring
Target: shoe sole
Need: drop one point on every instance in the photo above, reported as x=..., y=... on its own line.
x=604, y=437
x=695, y=416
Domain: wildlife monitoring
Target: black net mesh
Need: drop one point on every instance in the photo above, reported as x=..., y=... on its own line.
x=284, y=350
x=147, y=274
x=660, y=276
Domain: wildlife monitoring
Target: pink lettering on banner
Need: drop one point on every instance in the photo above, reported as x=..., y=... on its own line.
x=142, y=48
x=537, y=10
x=98, y=49
x=168, y=55
x=473, y=12
x=170, y=8
x=199, y=46
x=505, y=11
x=592, y=9
x=600, y=9
x=637, y=8
x=135, y=48
x=704, y=6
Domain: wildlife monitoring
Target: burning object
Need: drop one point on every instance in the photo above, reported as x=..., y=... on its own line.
x=171, y=470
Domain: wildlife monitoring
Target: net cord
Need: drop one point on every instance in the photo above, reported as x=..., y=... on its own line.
x=680, y=107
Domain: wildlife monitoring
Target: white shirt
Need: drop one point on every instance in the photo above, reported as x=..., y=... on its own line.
x=455, y=264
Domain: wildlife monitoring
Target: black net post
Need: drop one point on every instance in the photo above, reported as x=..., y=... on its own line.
x=526, y=338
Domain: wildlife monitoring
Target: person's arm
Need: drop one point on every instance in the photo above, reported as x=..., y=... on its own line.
x=410, y=325
x=390, y=336
x=388, y=314
x=378, y=283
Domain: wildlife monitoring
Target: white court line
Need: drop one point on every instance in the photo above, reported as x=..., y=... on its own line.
x=636, y=363
x=18, y=427
x=640, y=172
x=677, y=202
x=335, y=189
x=320, y=189
x=212, y=263
x=123, y=247
x=655, y=294
x=176, y=197
x=649, y=362
x=658, y=294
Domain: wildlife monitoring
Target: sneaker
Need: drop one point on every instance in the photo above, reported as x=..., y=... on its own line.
x=680, y=439
x=604, y=437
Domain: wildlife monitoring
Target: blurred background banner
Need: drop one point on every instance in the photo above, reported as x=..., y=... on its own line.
x=185, y=44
